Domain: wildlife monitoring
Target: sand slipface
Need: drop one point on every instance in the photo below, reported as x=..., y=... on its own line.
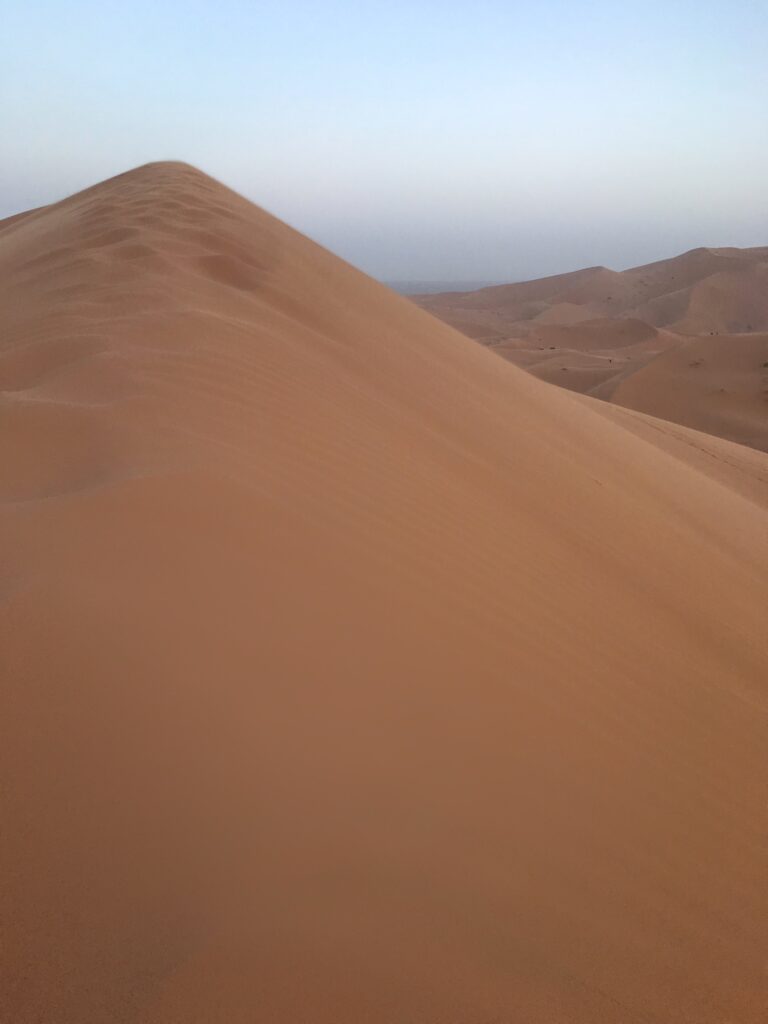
x=640, y=338
x=349, y=672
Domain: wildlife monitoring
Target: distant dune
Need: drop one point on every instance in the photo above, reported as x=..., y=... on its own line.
x=591, y=331
x=349, y=672
x=410, y=287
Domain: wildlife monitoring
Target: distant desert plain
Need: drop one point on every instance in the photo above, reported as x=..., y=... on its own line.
x=353, y=674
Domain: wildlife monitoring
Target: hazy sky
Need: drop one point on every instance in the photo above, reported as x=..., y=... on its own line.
x=484, y=139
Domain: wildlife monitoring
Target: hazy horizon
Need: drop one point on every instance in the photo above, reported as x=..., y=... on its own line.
x=422, y=141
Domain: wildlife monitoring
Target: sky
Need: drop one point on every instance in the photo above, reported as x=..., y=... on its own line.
x=488, y=140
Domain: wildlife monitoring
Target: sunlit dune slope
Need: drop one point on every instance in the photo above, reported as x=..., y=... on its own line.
x=350, y=673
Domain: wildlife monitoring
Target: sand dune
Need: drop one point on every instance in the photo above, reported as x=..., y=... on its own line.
x=659, y=293
x=591, y=331
x=351, y=673
x=715, y=384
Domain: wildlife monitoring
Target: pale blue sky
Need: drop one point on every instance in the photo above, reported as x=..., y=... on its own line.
x=484, y=139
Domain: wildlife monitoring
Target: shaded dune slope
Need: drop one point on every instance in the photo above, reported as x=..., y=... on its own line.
x=351, y=673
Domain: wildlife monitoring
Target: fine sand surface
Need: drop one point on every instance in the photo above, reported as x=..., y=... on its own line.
x=595, y=330
x=350, y=673
x=715, y=384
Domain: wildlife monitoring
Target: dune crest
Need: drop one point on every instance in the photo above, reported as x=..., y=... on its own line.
x=351, y=673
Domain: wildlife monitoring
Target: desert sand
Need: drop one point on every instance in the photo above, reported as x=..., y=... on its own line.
x=351, y=673
x=611, y=334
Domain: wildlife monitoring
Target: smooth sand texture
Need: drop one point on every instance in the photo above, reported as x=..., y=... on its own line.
x=351, y=674
x=595, y=330
x=715, y=384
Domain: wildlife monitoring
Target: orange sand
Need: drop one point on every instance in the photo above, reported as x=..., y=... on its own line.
x=350, y=673
x=595, y=331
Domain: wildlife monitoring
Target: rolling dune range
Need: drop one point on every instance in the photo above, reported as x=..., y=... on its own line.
x=349, y=672
x=641, y=337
